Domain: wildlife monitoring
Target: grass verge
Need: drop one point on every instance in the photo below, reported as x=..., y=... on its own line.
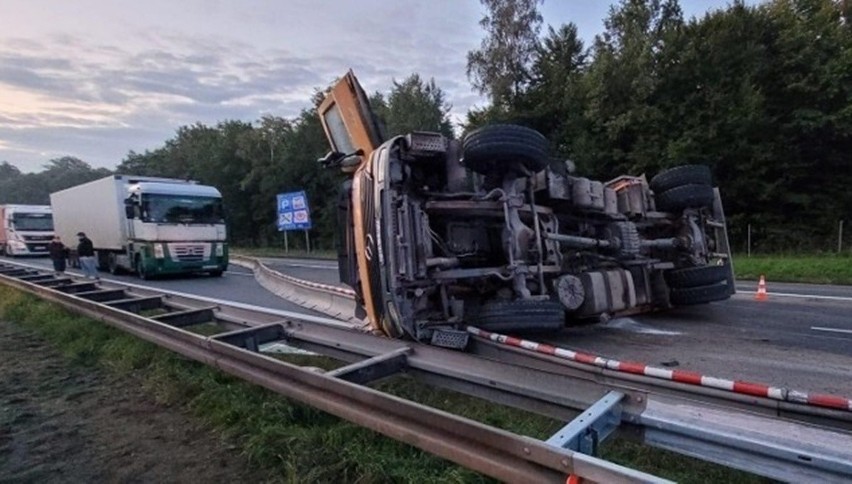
x=815, y=269
x=295, y=443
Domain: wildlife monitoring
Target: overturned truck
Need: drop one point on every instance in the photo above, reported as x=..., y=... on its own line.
x=489, y=231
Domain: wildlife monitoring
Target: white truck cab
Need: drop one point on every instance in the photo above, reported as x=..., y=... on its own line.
x=25, y=230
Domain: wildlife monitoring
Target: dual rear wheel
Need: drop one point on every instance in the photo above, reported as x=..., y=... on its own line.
x=682, y=187
x=698, y=285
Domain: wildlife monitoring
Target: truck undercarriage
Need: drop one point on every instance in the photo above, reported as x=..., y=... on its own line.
x=490, y=231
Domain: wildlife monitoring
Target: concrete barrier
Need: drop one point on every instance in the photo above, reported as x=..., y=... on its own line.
x=333, y=301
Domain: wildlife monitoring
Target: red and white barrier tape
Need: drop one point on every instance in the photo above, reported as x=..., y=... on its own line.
x=680, y=376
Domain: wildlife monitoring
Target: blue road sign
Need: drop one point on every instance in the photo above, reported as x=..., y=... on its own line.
x=293, y=211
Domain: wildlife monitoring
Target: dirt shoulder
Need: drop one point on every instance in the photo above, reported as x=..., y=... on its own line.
x=61, y=422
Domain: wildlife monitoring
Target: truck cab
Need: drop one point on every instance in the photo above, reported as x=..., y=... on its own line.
x=174, y=228
x=25, y=230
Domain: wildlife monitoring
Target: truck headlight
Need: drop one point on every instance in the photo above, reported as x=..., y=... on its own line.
x=220, y=250
x=159, y=251
x=17, y=244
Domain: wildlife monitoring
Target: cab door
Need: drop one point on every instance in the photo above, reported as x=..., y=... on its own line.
x=348, y=120
x=350, y=125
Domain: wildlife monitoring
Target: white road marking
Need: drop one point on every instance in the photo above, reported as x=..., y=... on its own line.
x=244, y=274
x=310, y=266
x=801, y=296
x=832, y=330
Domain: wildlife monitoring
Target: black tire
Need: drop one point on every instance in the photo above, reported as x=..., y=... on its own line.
x=681, y=175
x=697, y=276
x=685, y=196
x=113, y=265
x=140, y=269
x=500, y=148
x=102, y=261
x=689, y=296
x=520, y=316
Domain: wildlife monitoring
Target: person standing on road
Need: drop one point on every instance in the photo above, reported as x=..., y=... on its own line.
x=58, y=253
x=86, y=254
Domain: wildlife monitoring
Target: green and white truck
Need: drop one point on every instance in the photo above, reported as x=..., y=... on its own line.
x=147, y=225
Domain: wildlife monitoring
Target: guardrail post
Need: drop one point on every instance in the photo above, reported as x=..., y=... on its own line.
x=586, y=432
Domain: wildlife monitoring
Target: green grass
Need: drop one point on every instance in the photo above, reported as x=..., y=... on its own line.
x=279, y=252
x=295, y=443
x=817, y=269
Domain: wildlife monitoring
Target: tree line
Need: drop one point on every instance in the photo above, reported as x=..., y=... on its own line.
x=761, y=94
x=249, y=162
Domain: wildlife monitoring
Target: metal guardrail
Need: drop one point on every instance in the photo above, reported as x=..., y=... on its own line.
x=761, y=443
x=736, y=431
x=491, y=451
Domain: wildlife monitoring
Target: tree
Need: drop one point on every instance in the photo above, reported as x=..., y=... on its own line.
x=35, y=188
x=627, y=127
x=500, y=67
x=413, y=105
x=8, y=171
x=555, y=100
x=265, y=147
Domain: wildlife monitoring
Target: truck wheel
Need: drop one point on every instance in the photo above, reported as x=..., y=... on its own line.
x=140, y=269
x=688, y=296
x=519, y=316
x=500, y=148
x=112, y=265
x=697, y=276
x=102, y=260
x=681, y=175
x=685, y=196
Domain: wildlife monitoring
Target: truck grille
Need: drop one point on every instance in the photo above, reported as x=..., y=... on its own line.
x=190, y=252
x=38, y=238
x=37, y=248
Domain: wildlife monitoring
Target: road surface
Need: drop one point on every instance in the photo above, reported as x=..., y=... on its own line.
x=237, y=284
x=801, y=338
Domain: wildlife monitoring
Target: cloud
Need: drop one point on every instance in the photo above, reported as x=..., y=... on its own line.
x=69, y=94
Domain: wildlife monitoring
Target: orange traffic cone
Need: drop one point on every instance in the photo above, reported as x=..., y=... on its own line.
x=761, y=290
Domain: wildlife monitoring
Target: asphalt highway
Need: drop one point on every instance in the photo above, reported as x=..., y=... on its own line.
x=237, y=284
x=800, y=338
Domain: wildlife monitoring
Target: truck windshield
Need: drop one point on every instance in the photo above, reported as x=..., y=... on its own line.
x=37, y=222
x=181, y=209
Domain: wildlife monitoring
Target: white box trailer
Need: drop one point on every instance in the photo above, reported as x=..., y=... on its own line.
x=25, y=229
x=149, y=225
x=96, y=208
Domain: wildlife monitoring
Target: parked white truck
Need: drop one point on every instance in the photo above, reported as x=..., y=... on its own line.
x=151, y=226
x=25, y=229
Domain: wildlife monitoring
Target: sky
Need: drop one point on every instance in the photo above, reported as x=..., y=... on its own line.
x=97, y=78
